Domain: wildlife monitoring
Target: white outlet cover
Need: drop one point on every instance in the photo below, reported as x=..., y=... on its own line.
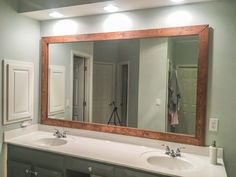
x=213, y=124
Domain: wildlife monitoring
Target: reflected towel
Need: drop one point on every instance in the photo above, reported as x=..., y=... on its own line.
x=174, y=120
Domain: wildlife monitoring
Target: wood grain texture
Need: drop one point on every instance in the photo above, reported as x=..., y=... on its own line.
x=201, y=31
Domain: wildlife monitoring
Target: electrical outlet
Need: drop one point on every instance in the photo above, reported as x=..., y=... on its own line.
x=213, y=124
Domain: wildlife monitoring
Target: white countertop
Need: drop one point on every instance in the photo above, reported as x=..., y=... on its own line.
x=112, y=152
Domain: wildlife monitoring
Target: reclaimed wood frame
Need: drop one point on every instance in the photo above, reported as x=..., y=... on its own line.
x=202, y=31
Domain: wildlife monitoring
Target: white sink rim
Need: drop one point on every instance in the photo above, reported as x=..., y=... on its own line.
x=50, y=142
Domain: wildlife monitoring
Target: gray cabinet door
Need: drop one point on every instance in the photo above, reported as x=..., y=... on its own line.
x=89, y=167
x=122, y=172
x=35, y=157
x=43, y=172
x=18, y=169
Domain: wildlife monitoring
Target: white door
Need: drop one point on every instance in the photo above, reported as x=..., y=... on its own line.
x=103, y=91
x=187, y=78
x=78, y=89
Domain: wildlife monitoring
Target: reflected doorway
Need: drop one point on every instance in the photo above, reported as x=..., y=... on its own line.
x=80, y=88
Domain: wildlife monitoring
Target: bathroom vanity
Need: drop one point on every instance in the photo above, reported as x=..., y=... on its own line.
x=34, y=151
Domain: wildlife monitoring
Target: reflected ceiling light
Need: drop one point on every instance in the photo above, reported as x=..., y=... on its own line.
x=65, y=27
x=177, y=1
x=55, y=14
x=111, y=8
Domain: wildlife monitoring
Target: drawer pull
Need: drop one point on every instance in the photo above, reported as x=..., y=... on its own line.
x=35, y=173
x=27, y=171
x=90, y=169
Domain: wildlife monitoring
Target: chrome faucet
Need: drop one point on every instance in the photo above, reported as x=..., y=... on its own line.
x=59, y=134
x=173, y=153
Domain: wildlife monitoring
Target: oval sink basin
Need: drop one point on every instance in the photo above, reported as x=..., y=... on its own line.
x=159, y=160
x=51, y=142
x=169, y=163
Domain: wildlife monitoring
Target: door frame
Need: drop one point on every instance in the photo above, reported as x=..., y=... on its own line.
x=119, y=64
x=89, y=78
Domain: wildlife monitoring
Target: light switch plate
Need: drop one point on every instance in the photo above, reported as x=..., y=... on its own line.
x=158, y=102
x=213, y=124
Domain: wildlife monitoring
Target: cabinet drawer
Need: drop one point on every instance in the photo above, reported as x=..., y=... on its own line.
x=35, y=157
x=89, y=167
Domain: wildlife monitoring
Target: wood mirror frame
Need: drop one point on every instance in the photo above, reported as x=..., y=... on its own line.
x=201, y=31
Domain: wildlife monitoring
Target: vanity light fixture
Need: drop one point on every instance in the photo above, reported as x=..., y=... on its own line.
x=111, y=8
x=177, y=1
x=56, y=14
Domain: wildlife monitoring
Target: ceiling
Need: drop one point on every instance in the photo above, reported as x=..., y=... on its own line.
x=75, y=8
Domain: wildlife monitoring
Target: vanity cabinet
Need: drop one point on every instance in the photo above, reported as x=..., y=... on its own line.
x=26, y=162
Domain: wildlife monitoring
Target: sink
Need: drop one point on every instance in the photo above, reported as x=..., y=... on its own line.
x=169, y=163
x=50, y=142
x=162, y=161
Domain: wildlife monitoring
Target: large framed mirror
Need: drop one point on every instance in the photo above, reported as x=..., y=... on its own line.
x=146, y=83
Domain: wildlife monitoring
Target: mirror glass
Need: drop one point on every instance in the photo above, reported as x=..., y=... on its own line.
x=147, y=83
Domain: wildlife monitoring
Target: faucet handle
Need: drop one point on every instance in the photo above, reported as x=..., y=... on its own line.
x=180, y=148
x=167, y=149
x=178, y=151
x=56, y=131
x=64, y=134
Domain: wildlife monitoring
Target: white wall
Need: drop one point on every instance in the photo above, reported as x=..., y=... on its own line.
x=153, y=80
x=60, y=54
x=220, y=16
x=106, y=51
x=19, y=40
x=129, y=51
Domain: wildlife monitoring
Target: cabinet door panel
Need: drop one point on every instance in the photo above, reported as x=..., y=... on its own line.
x=131, y=173
x=89, y=167
x=18, y=169
x=43, y=172
x=35, y=157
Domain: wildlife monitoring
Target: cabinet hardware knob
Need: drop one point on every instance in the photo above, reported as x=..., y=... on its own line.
x=35, y=173
x=90, y=169
x=27, y=171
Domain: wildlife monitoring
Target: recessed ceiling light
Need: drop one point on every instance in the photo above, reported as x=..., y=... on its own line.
x=177, y=1
x=111, y=8
x=55, y=14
